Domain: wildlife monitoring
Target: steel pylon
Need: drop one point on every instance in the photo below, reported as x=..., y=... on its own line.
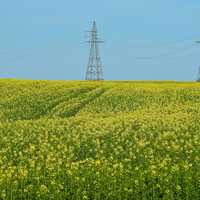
x=198, y=78
x=94, y=68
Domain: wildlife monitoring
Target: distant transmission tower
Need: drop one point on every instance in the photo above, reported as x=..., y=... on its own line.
x=198, y=78
x=94, y=68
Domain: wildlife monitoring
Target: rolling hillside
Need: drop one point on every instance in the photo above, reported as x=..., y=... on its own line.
x=99, y=140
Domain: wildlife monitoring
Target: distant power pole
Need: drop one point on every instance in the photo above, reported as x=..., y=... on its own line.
x=198, y=78
x=94, y=68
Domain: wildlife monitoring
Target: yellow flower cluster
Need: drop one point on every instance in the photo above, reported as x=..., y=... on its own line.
x=99, y=140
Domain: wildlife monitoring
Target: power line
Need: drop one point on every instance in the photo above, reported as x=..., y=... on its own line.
x=170, y=43
x=167, y=54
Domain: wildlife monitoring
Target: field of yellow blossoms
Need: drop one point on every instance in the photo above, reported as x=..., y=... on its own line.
x=99, y=140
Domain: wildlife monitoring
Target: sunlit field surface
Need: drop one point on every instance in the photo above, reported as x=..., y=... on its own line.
x=99, y=140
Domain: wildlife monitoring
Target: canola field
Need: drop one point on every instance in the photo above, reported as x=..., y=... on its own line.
x=99, y=140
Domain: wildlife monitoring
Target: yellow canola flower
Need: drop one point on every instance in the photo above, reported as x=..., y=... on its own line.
x=43, y=189
x=82, y=140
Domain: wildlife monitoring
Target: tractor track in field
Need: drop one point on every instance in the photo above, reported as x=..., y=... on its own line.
x=63, y=99
x=73, y=96
x=73, y=112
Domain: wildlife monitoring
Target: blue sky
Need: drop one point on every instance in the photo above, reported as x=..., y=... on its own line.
x=144, y=40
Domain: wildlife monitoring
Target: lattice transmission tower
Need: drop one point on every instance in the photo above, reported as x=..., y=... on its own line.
x=198, y=78
x=94, y=68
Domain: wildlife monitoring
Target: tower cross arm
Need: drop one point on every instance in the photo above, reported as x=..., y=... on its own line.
x=95, y=41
